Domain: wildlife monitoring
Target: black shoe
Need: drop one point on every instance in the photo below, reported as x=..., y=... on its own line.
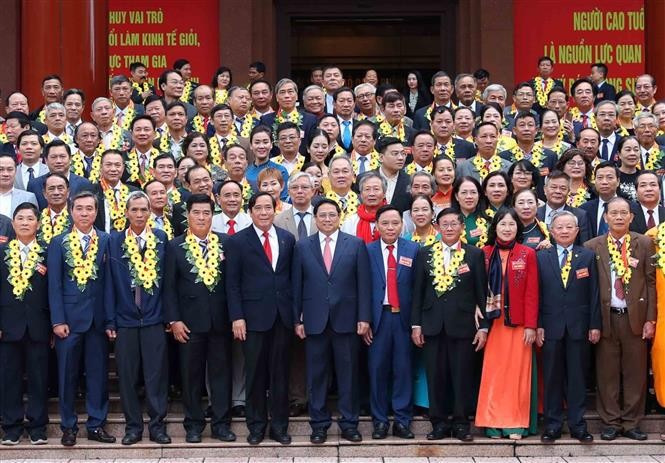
x=609, y=433
x=11, y=439
x=550, y=436
x=318, y=436
x=193, y=437
x=68, y=438
x=38, y=438
x=131, y=438
x=438, y=433
x=463, y=434
x=635, y=434
x=100, y=435
x=224, y=434
x=296, y=409
x=255, y=438
x=401, y=431
x=238, y=411
x=380, y=431
x=161, y=438
x=281, y=437
x=352, y=435
x=583, y=436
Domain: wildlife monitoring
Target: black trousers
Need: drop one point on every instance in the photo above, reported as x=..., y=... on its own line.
x=211, y=349
x=141, y=357
x=267, y=369
x=443, y=353
x=16, y=359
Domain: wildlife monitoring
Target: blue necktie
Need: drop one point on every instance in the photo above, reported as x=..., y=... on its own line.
x=604, y=152
x=564, y=258
x=362, y=168
x=86, y=244
x=602, y=226
x=346, y=135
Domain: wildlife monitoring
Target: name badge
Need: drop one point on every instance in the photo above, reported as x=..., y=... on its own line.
x=41, y=268
x=633, y=262
x=518, y=265
x=476, y=232
x=464, y=268
x=544, y=171
x=582, y=273
x=533, y=239
x=3, y=239
x=405, y=261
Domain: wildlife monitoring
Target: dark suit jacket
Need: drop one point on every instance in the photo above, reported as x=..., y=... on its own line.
x=101, y=206
x=641, y=291
x=605, y=92
x=6, y=230
x=30, y=314
x=257, y=293
x=582, y=222
x=401, y=199
x=76, y=184
x=190, y=302
x=463, y=149
x=136, y=96
x=575, y=308
x=453, y=312
x=407, y=252
x=309, y=122
x=81, y=310
x=639, y=223
x=340, y=299
x=121, y=299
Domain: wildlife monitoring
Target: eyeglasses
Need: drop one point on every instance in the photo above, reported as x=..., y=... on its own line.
x=365, y=95
x=291, y=138
x=619, y=213
x=329, y=215
x=447, y=225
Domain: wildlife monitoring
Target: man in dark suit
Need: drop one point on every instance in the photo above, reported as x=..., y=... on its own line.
x=444, y=325
x=25, y=332
x=16, y=122
x=136, y=304
x=58, y=158
x=345, y=102
x=80, y=317
x=393, y=108
x=569, y=320
x=331, y=284
x=442, y=89
x=607, y=183
x=628, y=308
x=443, y=129
x=557, y=187
x=606, y=91
x=392, y=263
x=606, y=113
x=260, y=306
x=112, y=193
x=544, y=81
x=286, y=94
x=465, y=91
x=195, y=307
x=6, y=230
x=647, y=211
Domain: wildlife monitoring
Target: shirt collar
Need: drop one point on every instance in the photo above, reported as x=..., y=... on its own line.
x=333, y=237
x=560, y=249
x=384, y=245
x=271, y=233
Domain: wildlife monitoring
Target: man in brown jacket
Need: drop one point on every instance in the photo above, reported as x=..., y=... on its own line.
x=627, y=282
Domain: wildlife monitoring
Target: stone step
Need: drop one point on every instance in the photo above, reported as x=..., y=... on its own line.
x=334, y=447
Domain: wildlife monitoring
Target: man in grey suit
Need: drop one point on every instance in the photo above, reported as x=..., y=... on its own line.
x=11, y=197
x=30, y=145
x=299, y=221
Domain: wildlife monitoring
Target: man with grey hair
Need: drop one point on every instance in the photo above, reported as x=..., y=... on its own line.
x=362, y=223
x=314, y=100
x=646, y=130
x=366, y=100
x=113, y=136
x=606, y=113
x=124, y=109
x=422, y=183
x=55, y=121
x=465, y=90
x=495, y=93
x=645, y=91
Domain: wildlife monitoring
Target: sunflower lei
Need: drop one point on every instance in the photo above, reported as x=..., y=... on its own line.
x=199, y=124
x=660, y=244
x=82, y=268
x=116, y=142
x=300, y=161
x=352, y=203
x=133, y=167
x=427, y=240
x=374, y=162
x=78, y=164
x=63, y=136
x=537, y=154
x=282, y=116
x=48, y=230
x=216, y=150
x=116, y=207
x=186, y=91
x=339, y=150
x=21, y=272
x=449, y=151
x=577, y=116
x=141, y=88
x=653, y=157
x=42, y=115
x=206, y=269
x=168, y=229
x=557, y=148
x=143, y=269
x=174, y=196
x=412, y=169
x=543, y=229
x=541, y=95
x=565, y=270
x=247, y=193
x=444, y=278
x=221, y=95
x=129, y=116
x=247, y=126
x=479, y=163
x=618, y=264
x=481, y=223
x=623, y=131
x=387, y=130
x=3, y=137
x=578, y=198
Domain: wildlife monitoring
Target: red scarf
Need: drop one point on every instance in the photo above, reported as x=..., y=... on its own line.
x=364, y=227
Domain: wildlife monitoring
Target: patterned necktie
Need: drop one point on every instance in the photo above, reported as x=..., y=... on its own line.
x=327, y=254
x=346, y=134
x=86, y=244
x=203, y=244
x=585, y=121
x=302, y=228
x=142, y=163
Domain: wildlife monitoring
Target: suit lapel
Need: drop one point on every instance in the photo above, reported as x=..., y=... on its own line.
x=290, y=223
x=315, y=243
x=339, y=248
x=253, y=240
x=378, y=257
x=282, y=249
x=556, y=265
x=604, y=258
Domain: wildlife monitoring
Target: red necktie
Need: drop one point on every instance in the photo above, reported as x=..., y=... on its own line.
x=618, y=284
x=651, y=222
x=585, y=121
x=391, y=278
x=206, y=121
x=266, y=246
x=232, y=227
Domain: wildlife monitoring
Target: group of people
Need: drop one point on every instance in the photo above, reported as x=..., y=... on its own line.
x=400, y=250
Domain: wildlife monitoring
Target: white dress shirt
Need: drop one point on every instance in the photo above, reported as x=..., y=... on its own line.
x=350, y=225
x=601, y=211
x=333, y=243
x=6, y=203
x=274, y=243
x=25, y=175
x=220, y=222
x=611, y=140
x=392, y=184
x=81, y=235
x=309, y=213
x=645, y=213
x=24, y=249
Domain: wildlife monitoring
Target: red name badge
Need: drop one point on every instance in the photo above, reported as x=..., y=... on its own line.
x=582, y=273
x=476, y=232
x=464, y=268
x=518, y=265
x=533, y=239
x=3, y=239
x=633, y=262
x=405, y=261
x=41, y=268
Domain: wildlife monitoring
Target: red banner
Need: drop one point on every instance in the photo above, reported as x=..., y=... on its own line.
x=576, y=35
x=158, y=32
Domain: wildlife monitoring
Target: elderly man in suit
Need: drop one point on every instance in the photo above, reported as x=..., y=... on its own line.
x=10, y=196
x=331, y=290
x=80, y=317
x=557, y=187
x=569, y=320
x=627, y=281
x=647, y=212
x=392, y=263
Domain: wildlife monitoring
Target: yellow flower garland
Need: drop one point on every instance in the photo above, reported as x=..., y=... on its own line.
x=428, y=240
x=128, y=117
x=133, y=167
x=660, y=245
x=374, y=162
x=247, y=126
x=47, y=230
x=116, y=208
x=654, y=156
x=624, y=272
x=186, y=91
x=543, y=229
x=63, y=137
x=21, y=272
x=116, y=139
x=537, y=154
x=3, y=138
x=174, y=196
x=216, y=151
x=412, y=169
x=78, y=164
x=577, y=116
x=300, y=161
x=481, y=224
x=387, y=130
x=479, y=164
x=565, y=270
x=42, y=115
x=141, y=88
x=541, y=95
x=449, y=151
x=352, y=203
x=168, y=229
x=82, y=268
x=206, y=269
x=444, y=278
x=578, y=198
x=247, y=193
x=143, y=269
x=221, y=95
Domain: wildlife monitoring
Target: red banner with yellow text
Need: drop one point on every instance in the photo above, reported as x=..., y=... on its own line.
x=577, y=34
x=158, y=32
